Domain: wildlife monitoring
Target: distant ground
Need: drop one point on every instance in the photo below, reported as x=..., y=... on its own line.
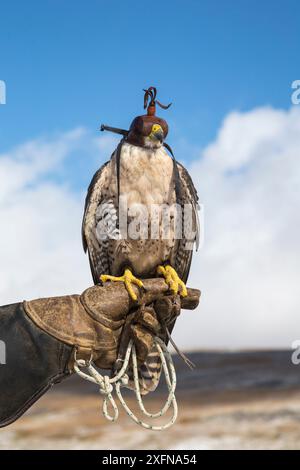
x=245, y=400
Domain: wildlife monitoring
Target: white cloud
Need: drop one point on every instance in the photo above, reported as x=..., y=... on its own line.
x=27, y=162
x=40, y=241
x=248, y=180
x=248, y=269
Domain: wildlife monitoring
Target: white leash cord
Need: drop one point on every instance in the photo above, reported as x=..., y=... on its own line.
x=106, y=386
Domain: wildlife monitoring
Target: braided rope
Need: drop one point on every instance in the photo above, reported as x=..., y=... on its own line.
x=106, y=386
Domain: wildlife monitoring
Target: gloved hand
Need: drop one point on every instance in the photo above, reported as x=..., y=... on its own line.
x=93, y=322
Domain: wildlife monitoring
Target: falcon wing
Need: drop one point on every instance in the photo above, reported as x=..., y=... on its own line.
x=185, y=247
x=97, y=249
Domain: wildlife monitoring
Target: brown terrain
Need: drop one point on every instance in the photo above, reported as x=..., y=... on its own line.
x=244, y=400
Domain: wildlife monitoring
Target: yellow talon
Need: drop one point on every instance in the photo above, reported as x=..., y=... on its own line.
x=128, y=278
x=173, y=280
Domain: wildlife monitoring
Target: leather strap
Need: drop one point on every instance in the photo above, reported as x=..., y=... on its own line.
x=176, y=174
x=118, y=163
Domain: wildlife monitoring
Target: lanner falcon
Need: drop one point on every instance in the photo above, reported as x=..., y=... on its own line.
x=141, y=172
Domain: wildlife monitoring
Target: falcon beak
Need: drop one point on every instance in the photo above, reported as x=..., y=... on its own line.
x=159, y=135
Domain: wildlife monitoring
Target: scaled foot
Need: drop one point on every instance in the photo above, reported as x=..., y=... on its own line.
x=128, y=278
x=176, y=285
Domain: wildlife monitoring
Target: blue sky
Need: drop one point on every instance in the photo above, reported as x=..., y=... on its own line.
x=69, y=64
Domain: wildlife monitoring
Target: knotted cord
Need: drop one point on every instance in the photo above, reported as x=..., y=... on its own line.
x=106, y=386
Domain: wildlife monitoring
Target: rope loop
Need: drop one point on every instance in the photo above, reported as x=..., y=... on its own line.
x=108, y=384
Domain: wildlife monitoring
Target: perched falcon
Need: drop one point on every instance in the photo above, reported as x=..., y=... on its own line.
x=141, y=173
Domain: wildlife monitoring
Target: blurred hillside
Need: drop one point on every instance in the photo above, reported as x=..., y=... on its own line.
x=234, y=400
